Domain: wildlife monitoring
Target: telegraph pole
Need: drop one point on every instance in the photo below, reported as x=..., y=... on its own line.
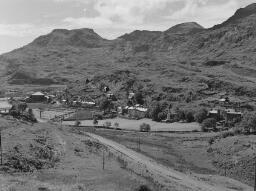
x=139, y=143
x=255, y=174
x=1, y=150
x=103, y=160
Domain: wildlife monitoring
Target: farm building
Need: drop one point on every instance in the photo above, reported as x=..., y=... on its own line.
x=232, y=115
x=131, y=95
x=38, y=97
x=137, y=112
x=5, y=106
x=214, y=113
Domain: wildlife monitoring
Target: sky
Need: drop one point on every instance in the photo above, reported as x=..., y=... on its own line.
x=21, y=21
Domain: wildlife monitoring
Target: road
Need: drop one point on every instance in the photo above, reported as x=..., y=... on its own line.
x=177, y=180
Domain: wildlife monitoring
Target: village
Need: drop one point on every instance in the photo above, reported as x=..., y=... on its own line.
x=169, y=135
x=132, y=113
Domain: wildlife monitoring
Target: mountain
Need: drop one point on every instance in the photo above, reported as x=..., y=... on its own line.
x=77, y=38
x=240, y=14
x=185, y=28
x=164, y=65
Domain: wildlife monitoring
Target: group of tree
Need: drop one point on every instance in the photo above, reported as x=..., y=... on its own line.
x=105, y=105
x=248, y=123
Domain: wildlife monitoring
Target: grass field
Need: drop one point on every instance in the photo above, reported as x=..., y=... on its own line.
x=79, y=164
x=126, y=124
x=192, y=152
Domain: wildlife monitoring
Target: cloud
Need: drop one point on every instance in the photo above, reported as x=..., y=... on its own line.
x=149, y=14
x=22, y=30
x=207, y=15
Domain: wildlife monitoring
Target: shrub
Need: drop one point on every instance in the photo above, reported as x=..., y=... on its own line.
x=77, y=123
x=107, y=124
x=154, y=111
x=227, y=134
x=201, y=115
x=139, y=98
x=105, y=104
x=181, y=115
x=162, y=116
x=248, y=123
x=208, y=124
x=211, y=140
x=189, y=116
x=143, y=188
x=116, y=125
x=95, y=121
x=145, y=127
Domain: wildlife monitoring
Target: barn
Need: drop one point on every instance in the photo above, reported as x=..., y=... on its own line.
x=38, y=97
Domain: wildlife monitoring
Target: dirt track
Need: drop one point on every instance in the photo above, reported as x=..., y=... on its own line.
x=169, y=177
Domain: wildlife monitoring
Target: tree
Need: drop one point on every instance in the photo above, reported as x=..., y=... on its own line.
x=208, y=124
x=77, y=123
x=138, y=97
x=107, y=124
x=155, y=110
x=95, y=122
x=162, y=115
x=105, y=104
x=116, y=125
x=201, y=115
x=181, y=114
x=248, y=123
x=189, y=116
x=144, y=127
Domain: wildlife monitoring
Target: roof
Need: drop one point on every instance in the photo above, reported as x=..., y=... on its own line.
x=138, y=109
x=5, y=105
x=38, y=94
x=232, y=111
x=214, y=111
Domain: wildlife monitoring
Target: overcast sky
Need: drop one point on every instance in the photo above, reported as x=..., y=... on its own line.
x=23, y=20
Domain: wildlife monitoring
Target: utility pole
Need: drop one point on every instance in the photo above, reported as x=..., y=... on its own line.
x=139, y=143
x=103, y=160
x=255, y=174
x=1, y=150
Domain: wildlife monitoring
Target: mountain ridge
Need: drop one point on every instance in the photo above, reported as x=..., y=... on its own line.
x=186, y=57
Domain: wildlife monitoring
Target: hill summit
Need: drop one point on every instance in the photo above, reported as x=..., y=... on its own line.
x=78, y=37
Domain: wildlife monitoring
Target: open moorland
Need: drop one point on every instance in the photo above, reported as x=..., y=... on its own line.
x=46, y=157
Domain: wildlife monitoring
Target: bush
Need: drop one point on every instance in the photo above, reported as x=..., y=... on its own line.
x=201, y=115
x=248, y=123
x=143, y=188
x=77, y=123
x=145, y=127
x=208, y=124
x=227, y=134
x=162, y=116
x=95, y=121
x=211, y=140
x=189, y=116
x=139, y=98
x=107, y=124
x=154, y=111
x=116, y=125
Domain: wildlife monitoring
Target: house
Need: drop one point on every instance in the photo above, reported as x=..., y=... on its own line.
x=37, y=97
x=171, y=116
x=214, y=113
x=5, y=106
x=111, y=96
x=131, y=95
x=106, y=89
x=137, y=112
x=232, y=116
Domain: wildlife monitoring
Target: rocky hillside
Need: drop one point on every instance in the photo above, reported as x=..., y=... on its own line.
x=163, y=64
